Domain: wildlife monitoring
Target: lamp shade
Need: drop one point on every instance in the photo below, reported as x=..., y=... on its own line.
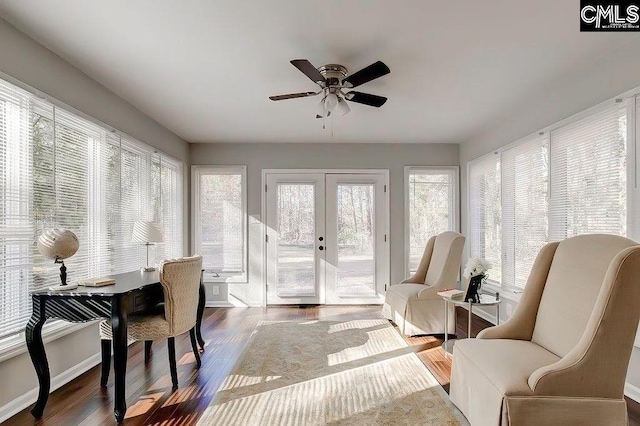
x=146, y=232
x=331, y=102
x=321, y=110
x=343, y=108
x=58, y=243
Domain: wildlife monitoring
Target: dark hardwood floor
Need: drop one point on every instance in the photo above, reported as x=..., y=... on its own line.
x=226, y=331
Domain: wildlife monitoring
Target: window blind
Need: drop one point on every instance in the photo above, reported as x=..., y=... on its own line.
x=485, y=232
x=588, y=175
x=431, y=208
x=169, y=204
x=134, y=203
x=525, y=178
x=16, y=208
x=59, y=170
x=220, y=226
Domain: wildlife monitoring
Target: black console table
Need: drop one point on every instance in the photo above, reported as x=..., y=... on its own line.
x=134, y=292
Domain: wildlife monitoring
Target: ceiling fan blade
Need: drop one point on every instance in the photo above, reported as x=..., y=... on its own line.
x=308, y=69
x=366, y=99
x=292, y=96
x=373, y=71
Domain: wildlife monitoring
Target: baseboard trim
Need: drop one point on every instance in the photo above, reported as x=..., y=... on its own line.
x=219, y=304
x=14, y=407
x=632, y=391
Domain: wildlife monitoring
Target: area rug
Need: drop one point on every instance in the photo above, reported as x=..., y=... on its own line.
x=358, y=372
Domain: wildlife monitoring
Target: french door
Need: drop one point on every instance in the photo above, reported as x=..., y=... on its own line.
x=327, y=238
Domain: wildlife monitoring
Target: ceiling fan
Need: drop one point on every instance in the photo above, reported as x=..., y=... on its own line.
x=333, y=79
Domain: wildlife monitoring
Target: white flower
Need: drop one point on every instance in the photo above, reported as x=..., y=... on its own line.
x=476, y=266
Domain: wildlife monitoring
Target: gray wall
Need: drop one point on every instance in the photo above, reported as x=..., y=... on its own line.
x=587, y=87
x=29, y=62
x=322, y=156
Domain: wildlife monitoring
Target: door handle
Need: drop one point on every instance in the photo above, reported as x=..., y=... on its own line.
x=321, y=248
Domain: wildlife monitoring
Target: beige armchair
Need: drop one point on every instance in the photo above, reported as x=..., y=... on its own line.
x=180, y=279
x=562, y=358
x=413, y=304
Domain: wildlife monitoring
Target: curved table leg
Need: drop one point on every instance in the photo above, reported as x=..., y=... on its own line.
x=33, y=334
x=119, y=329
x=201, y=301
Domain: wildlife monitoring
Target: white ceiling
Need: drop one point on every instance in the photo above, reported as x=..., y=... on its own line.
x=205, y=69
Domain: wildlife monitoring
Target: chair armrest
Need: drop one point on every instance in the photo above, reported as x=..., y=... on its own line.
x=429, y=292
x=507, y=330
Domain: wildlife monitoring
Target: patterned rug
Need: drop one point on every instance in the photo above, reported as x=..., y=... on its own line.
x=357, y=372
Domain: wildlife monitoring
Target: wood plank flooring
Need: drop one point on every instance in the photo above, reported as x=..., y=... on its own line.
x=226, y=331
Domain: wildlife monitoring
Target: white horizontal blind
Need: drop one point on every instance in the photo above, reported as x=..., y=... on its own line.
x=16, y=211
x=167, y=201
x=58, y=170
x=220, y=220
x=485, y=233
x=431, y=197
x=525, y=179
x=588, y=175
x=133, y=204
x=109, y=228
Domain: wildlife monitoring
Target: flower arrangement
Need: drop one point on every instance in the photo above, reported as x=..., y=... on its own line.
x=476, y=266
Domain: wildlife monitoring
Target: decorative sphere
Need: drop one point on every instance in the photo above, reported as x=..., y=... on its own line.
x=58, y=243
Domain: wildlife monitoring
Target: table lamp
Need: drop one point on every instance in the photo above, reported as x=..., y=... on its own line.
x=146, y=232
x=58, y=244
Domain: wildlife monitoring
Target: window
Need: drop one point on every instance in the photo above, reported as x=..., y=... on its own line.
x=431, y=197
x=220, y=221
x=58, y=170
x=525, y=183
x=569, y=180
x=485, y=214
x=588, y=175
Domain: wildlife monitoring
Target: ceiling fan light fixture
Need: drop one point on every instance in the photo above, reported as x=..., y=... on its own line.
x=343, y=107
x=331, y=102
x=321, y=109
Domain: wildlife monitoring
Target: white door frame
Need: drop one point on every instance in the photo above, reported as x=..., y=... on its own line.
x=263, y=212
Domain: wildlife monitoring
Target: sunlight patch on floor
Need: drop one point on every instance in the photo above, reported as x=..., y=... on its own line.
x=143, y=405
x=378, y=342
x=181, y=395
x=236, y=381
x=356, y=324
x=332, y=397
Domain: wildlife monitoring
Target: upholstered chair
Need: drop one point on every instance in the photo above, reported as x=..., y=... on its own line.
x=180, y=279
x=562, y=357
x=414, y=304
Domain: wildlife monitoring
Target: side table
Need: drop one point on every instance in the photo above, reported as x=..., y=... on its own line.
x=485, y=300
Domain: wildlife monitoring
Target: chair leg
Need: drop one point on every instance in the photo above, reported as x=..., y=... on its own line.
x=147, y=350
x=171, y=344
x=194, y=346
x=106, y=361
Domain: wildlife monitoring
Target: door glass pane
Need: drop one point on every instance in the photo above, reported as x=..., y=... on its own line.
x=296, y=240
x=356, y=240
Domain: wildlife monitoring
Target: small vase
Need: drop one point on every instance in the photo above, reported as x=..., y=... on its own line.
x=474, y=287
